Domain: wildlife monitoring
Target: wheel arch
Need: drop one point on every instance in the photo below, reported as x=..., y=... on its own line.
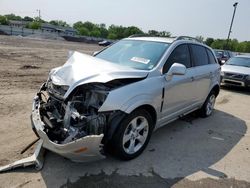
x=151, y=110
x=114, y=123
x=216, y=89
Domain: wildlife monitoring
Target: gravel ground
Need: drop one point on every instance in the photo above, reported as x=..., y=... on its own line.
x=191, y=152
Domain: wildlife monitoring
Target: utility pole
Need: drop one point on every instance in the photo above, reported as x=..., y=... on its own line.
x=39, y=14
x=230, y=29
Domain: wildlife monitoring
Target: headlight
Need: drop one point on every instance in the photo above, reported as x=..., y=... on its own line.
x=223, y=61
x=58, y=90
x=65, y=88
x=248, y=77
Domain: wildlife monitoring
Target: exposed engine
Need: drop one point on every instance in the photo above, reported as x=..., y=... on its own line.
x=76, y=118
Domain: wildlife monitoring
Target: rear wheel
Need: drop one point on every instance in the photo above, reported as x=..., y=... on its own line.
x=208, y=107
x=133, y=135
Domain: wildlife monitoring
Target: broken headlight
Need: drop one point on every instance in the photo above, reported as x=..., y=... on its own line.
x=56, y=90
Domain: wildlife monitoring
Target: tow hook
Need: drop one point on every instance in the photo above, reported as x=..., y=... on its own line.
x=37, y=159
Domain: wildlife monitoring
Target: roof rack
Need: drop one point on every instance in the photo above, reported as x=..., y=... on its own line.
x=147, y=35
x=188, y=38
x=139, y=35
x=175, y=38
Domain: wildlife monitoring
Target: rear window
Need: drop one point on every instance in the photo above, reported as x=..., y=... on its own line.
x=199, y=55
x=211, y=57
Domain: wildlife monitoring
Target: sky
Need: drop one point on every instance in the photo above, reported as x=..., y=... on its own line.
x=208, y=18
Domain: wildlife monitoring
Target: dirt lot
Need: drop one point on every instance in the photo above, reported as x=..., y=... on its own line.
x=192, y=152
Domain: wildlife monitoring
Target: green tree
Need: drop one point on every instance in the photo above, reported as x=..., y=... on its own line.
x=209, y=41
x=132, y=30
x=117, y=32
x=95, y=33
x=3, y=20
x=13, y=17
x=83, y=31
x=59, y=23
x=38, y=19
x=103, y=30
x=34, y=25
x=218, y=44
x=90, y=26
x=112, y=36
x=28, y=19
x=164, y=34
x=77, y=25
x=153, y=32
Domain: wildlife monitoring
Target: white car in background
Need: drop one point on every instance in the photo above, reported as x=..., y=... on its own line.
x=236, y=71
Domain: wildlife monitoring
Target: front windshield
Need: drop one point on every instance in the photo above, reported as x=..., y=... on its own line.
x=137, y=54
x=239, y=61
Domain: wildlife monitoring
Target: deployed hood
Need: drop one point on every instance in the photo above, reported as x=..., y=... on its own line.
x=81, y=69
x=235, y=69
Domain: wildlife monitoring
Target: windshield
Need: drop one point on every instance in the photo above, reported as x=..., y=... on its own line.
x=218, y=53
x=239, y=61
x=137, y=54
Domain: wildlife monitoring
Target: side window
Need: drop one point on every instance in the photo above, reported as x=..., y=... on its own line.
x=211, y=57
x=179, y=55
x=199, y=55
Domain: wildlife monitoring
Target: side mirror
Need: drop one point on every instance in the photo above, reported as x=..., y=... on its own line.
x=95, y=53
x=176, y=69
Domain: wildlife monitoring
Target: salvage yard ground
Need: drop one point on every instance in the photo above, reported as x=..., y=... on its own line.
x=191, y=152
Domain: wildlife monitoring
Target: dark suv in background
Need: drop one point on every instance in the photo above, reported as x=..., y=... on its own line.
x=223, y=55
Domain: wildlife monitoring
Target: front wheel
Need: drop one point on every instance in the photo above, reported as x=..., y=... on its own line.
x=132, y=135
x=208, y=107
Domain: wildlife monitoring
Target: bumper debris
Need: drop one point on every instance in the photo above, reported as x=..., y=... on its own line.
x=36, y=159
x=68, y=131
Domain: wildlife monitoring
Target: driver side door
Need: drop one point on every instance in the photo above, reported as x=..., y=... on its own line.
x=179, y=89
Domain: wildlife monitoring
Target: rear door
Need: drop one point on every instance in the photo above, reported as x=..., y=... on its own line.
x=204, y=70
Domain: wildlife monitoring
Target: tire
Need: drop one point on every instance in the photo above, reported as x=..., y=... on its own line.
x=133, y=134
x=208, y=106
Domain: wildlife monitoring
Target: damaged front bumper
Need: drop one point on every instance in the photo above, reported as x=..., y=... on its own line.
x=87, y=148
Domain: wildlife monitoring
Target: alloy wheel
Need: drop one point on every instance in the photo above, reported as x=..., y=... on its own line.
x=135, y=135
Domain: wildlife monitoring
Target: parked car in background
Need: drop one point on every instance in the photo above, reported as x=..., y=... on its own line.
x=223, y=55
x=118, y=97
x=236, y=71
x=104, y=43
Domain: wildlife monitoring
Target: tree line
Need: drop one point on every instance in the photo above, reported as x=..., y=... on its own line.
x=85, y=28
x=232, y=44
x=118, y=32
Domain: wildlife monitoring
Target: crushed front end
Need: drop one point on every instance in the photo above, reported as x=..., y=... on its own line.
x=69, y=112
x=72, y=128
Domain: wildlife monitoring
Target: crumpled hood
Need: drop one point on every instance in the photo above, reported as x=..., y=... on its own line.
x=81, y=69
x=235, y=69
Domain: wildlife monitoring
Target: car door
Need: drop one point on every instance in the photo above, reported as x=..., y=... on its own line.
x=180, y=88
x=204, y=71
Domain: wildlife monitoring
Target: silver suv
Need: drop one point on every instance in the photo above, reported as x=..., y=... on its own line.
x=114, y=100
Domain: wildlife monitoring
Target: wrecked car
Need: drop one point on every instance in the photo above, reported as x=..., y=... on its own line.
x=114, y=100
